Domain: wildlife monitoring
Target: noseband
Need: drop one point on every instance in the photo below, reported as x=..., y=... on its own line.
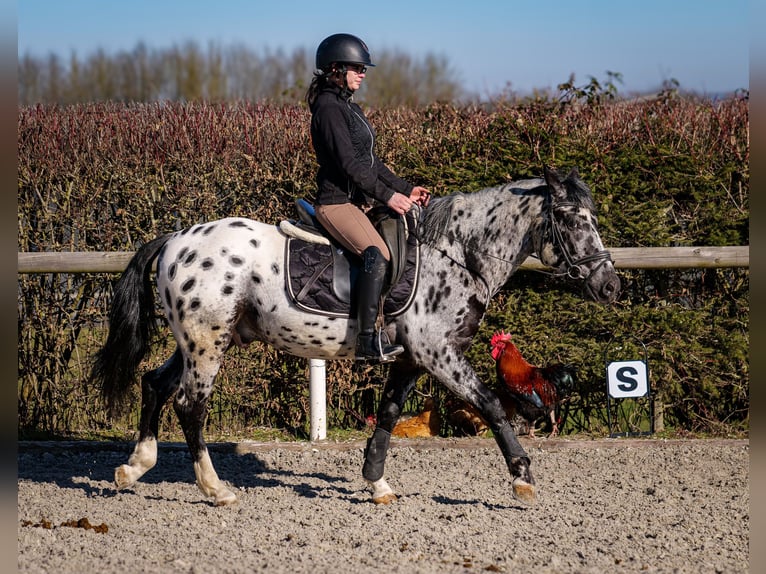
x=573, y=267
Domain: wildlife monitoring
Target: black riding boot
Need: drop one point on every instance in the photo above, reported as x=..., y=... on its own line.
x=369, y=285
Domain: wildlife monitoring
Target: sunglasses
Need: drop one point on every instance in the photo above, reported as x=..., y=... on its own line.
x=356, y=68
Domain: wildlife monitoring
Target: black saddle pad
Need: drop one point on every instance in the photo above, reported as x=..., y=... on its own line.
x=320, y=278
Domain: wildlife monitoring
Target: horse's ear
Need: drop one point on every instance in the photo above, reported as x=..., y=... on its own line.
x=553, y=179
x=573, y=174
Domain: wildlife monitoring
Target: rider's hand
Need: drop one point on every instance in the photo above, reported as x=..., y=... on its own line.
x=400, y=203
x=420, y=195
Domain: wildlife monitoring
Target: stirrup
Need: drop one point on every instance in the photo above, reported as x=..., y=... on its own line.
x=377, y=351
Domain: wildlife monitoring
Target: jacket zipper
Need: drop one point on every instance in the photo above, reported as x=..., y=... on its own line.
x=352, y=187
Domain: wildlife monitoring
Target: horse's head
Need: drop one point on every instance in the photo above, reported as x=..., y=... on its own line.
x=570, y=243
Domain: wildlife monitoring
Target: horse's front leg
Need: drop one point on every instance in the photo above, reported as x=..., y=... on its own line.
x=156, y=388
x=461, y=379
x=401, y=381
x=191, y=407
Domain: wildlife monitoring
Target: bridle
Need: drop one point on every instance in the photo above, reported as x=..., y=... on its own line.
x=573, y=267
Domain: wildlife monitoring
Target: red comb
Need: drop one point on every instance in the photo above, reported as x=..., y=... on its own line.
x=498, y=341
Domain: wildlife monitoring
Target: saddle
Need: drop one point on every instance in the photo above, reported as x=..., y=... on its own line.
x=321, y=273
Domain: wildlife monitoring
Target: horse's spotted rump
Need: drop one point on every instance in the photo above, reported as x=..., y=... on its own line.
x=207, y=264
x=172, y=271
x=236, y=261
x=255, y=243
x=188, y=285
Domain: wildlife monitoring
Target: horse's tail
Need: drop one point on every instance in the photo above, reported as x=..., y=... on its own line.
x=131, y=327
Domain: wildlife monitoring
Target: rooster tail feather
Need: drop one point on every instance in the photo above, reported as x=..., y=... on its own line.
x=564, y=378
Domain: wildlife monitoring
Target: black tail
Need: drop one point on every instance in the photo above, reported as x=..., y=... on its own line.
x=131, y=327
x=563, y=377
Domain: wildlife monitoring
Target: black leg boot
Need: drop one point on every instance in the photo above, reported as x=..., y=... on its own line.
x=369, y=286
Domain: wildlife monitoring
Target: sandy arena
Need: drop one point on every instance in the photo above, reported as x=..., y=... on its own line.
x=607, y=505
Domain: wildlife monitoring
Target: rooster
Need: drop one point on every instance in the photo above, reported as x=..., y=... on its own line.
x=535, y=390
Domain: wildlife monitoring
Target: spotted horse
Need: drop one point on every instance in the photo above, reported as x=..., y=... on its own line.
x=222, y=283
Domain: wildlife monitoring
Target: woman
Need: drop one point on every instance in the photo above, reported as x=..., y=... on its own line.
x=351, y=178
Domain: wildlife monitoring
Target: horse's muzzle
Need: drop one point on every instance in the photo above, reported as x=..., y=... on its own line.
x=603, y=285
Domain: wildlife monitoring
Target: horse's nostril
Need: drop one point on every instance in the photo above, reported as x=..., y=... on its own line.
x=611, y=288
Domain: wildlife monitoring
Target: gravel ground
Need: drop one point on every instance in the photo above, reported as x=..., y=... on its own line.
x=611, y=505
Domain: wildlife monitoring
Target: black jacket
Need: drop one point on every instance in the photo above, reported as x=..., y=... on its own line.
x=344, y=143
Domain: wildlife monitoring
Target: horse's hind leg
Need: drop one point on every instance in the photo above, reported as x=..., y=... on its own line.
x=156, y=388
x=191, y=407
x=401, y=381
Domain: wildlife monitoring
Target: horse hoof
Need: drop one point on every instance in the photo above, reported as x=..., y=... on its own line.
x=123, y=476
x=524, y=492
x=381, y=492
x=385, y=499
x=225, y=499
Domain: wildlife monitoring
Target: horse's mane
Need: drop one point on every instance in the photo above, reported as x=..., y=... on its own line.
x=437, y=216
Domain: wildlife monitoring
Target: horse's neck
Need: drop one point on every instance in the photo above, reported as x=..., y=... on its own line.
x=495, y=245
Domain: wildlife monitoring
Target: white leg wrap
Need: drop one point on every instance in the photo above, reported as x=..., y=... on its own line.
x=144, y=457
x=209, y=484
x=381, y=492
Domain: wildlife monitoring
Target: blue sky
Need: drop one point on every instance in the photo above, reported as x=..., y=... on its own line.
x=527, y=44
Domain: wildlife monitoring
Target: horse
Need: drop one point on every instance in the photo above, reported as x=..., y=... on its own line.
x=222, y=283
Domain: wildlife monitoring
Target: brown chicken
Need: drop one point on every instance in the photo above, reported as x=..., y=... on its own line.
x=535, y=390
x=427, y=423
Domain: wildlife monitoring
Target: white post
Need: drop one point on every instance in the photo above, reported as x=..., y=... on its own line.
x=318, y=398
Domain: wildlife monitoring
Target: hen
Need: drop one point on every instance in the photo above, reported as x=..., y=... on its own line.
x=424, y=424
x=535, y=390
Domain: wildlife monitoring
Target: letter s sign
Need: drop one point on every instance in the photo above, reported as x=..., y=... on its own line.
x=627, y=379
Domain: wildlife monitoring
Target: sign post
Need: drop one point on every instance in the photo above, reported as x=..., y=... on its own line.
x=628, y=379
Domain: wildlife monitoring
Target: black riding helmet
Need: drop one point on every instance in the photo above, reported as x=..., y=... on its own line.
x=344, y=49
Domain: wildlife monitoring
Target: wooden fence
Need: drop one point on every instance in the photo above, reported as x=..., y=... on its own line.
x=624, y=258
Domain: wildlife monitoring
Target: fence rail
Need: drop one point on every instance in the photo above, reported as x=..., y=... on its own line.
x=624, y=257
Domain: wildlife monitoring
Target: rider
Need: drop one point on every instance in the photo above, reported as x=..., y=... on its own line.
x=351, y=178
